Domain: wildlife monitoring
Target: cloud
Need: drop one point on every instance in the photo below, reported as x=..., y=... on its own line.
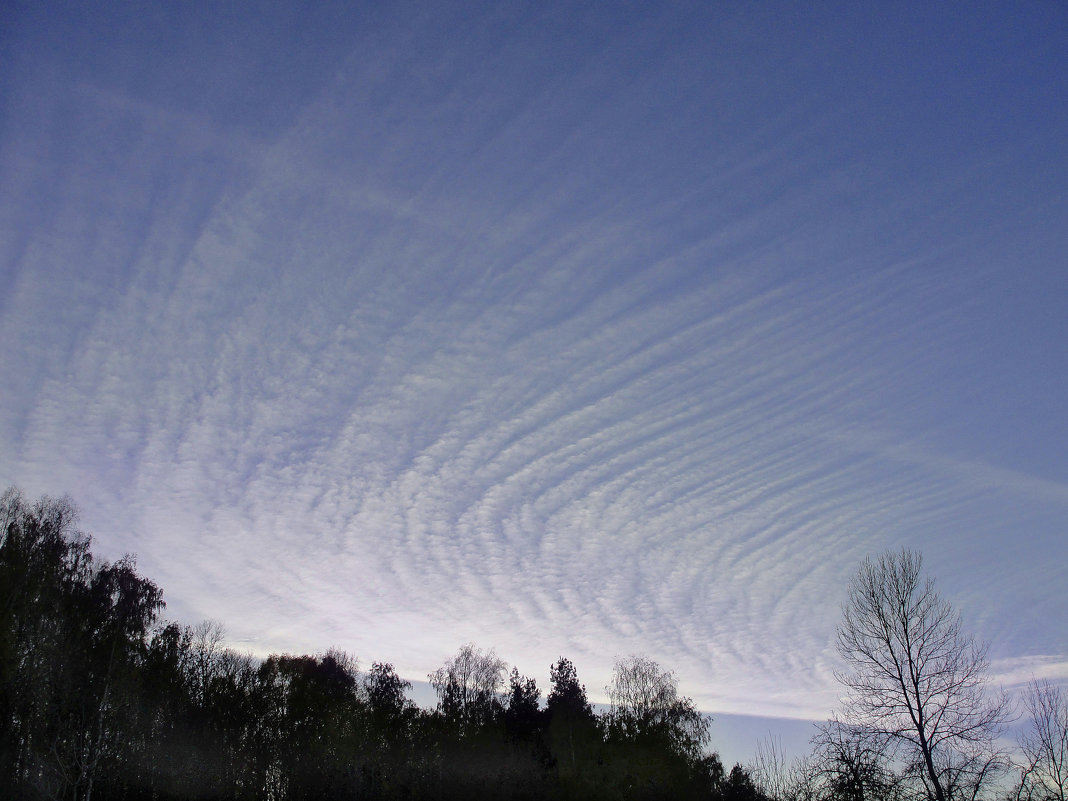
x=1015, y=673
x=445, y=356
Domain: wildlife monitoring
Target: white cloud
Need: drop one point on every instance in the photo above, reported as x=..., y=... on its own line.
x=354, y=391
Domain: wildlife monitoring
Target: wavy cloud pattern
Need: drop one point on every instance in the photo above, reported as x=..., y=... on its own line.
x=577, y=336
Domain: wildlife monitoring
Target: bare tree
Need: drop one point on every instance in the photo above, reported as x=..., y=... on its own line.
x=848, y=763
x=468, y=685
x=779, y=779
x=853, y=763
x=1044, y=774
x=916, y=680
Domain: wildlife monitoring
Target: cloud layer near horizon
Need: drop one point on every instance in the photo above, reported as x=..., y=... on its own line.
x=637, y=338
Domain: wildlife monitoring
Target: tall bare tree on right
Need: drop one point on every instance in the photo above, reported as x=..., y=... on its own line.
x=917, y=681
x=1044, y=743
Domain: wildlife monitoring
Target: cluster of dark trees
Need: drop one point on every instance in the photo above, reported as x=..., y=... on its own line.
x=100, y=698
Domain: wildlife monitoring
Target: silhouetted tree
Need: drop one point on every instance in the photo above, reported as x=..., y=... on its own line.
x=1044, y=744
x=522, y=713
x=102, y=676
x=780, y=780
x=654, y=737
x=386, y=691
x=468, y=686
x=99, y=700
x=916, y=680
x=316, y=707
x=852, y=763
x=739, y=786
x=73, y=635
x=570, y=717
x=390, y=758
x=44, y=563
x=646, y=704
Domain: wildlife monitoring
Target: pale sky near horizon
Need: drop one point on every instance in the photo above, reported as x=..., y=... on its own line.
x=577, y=329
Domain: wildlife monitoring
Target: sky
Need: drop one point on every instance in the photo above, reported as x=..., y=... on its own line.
x=566, y=329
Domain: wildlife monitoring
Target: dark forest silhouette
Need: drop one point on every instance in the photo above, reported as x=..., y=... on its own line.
x=101, y=698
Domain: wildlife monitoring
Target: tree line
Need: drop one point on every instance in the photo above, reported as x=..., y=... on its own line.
x=101, y=697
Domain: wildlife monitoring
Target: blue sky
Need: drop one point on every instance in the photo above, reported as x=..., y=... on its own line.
x=566, y=329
